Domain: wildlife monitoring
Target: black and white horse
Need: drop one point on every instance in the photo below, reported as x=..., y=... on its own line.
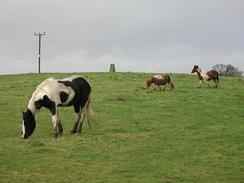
x=53, y=93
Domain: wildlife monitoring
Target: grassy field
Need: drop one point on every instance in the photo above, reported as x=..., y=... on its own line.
x=190, y=135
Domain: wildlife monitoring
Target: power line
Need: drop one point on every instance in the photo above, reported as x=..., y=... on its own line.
x=39, y=53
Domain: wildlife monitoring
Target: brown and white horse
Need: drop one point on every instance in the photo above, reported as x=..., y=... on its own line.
x=160, y=80
x=206, y=76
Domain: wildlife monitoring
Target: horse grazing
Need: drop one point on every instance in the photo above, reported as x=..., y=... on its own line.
x=53, y=93
x=206, y=76
x=160, y=80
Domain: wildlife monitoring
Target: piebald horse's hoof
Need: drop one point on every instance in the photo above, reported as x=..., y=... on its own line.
x=78, y=132
x=72, y=131
x=55, y=135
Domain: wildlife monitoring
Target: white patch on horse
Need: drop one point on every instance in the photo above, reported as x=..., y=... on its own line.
x=41, y=90
x=71, y=78
x=69, y=91
x=55, y=119
x=158, y=76
x=51, y=87
x=23, y=129
x=203, y=74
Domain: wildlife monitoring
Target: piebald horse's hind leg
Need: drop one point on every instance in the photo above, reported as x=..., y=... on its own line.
x=216, y=82
x=78, y=116
x=164, y=87
x=171, y=86
x=79, y=127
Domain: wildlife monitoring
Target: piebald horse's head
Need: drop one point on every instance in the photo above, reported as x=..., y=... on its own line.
x=29, y=124
x=195, y=68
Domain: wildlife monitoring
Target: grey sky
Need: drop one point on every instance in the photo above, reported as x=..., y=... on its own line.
x=136, y=35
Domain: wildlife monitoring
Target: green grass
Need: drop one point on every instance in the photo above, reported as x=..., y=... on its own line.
x=190, y=135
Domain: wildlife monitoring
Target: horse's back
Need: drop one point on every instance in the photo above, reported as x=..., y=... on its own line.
x=213, y=74
x=161, y=79
x=48, y=86
x=77, y=83
x=74, y=86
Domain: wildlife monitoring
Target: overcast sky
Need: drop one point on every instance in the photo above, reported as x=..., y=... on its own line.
x=136, y=35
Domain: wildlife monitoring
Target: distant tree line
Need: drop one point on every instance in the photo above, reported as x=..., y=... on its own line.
x=228, y=70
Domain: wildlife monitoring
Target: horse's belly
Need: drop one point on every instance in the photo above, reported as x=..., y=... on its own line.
x=65, y=105
x=206, y=77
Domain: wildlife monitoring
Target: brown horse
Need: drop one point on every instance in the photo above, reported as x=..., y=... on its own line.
x=206, y=76
x=160, y=80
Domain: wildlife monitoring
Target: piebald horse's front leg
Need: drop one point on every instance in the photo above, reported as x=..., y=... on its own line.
x=159, y=88
x=206, y=82
x=58, y=129
x=200, y=83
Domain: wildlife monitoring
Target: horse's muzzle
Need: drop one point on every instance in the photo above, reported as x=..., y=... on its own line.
x=24, y=136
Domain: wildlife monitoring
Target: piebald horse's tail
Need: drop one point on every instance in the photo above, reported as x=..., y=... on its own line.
x=88, y=111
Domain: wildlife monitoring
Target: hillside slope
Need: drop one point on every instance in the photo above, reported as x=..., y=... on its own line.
x=189, y=135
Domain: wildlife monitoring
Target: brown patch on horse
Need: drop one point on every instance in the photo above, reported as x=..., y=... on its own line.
x=213, y=74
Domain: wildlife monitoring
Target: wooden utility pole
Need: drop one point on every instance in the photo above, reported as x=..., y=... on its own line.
x=39, y=52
